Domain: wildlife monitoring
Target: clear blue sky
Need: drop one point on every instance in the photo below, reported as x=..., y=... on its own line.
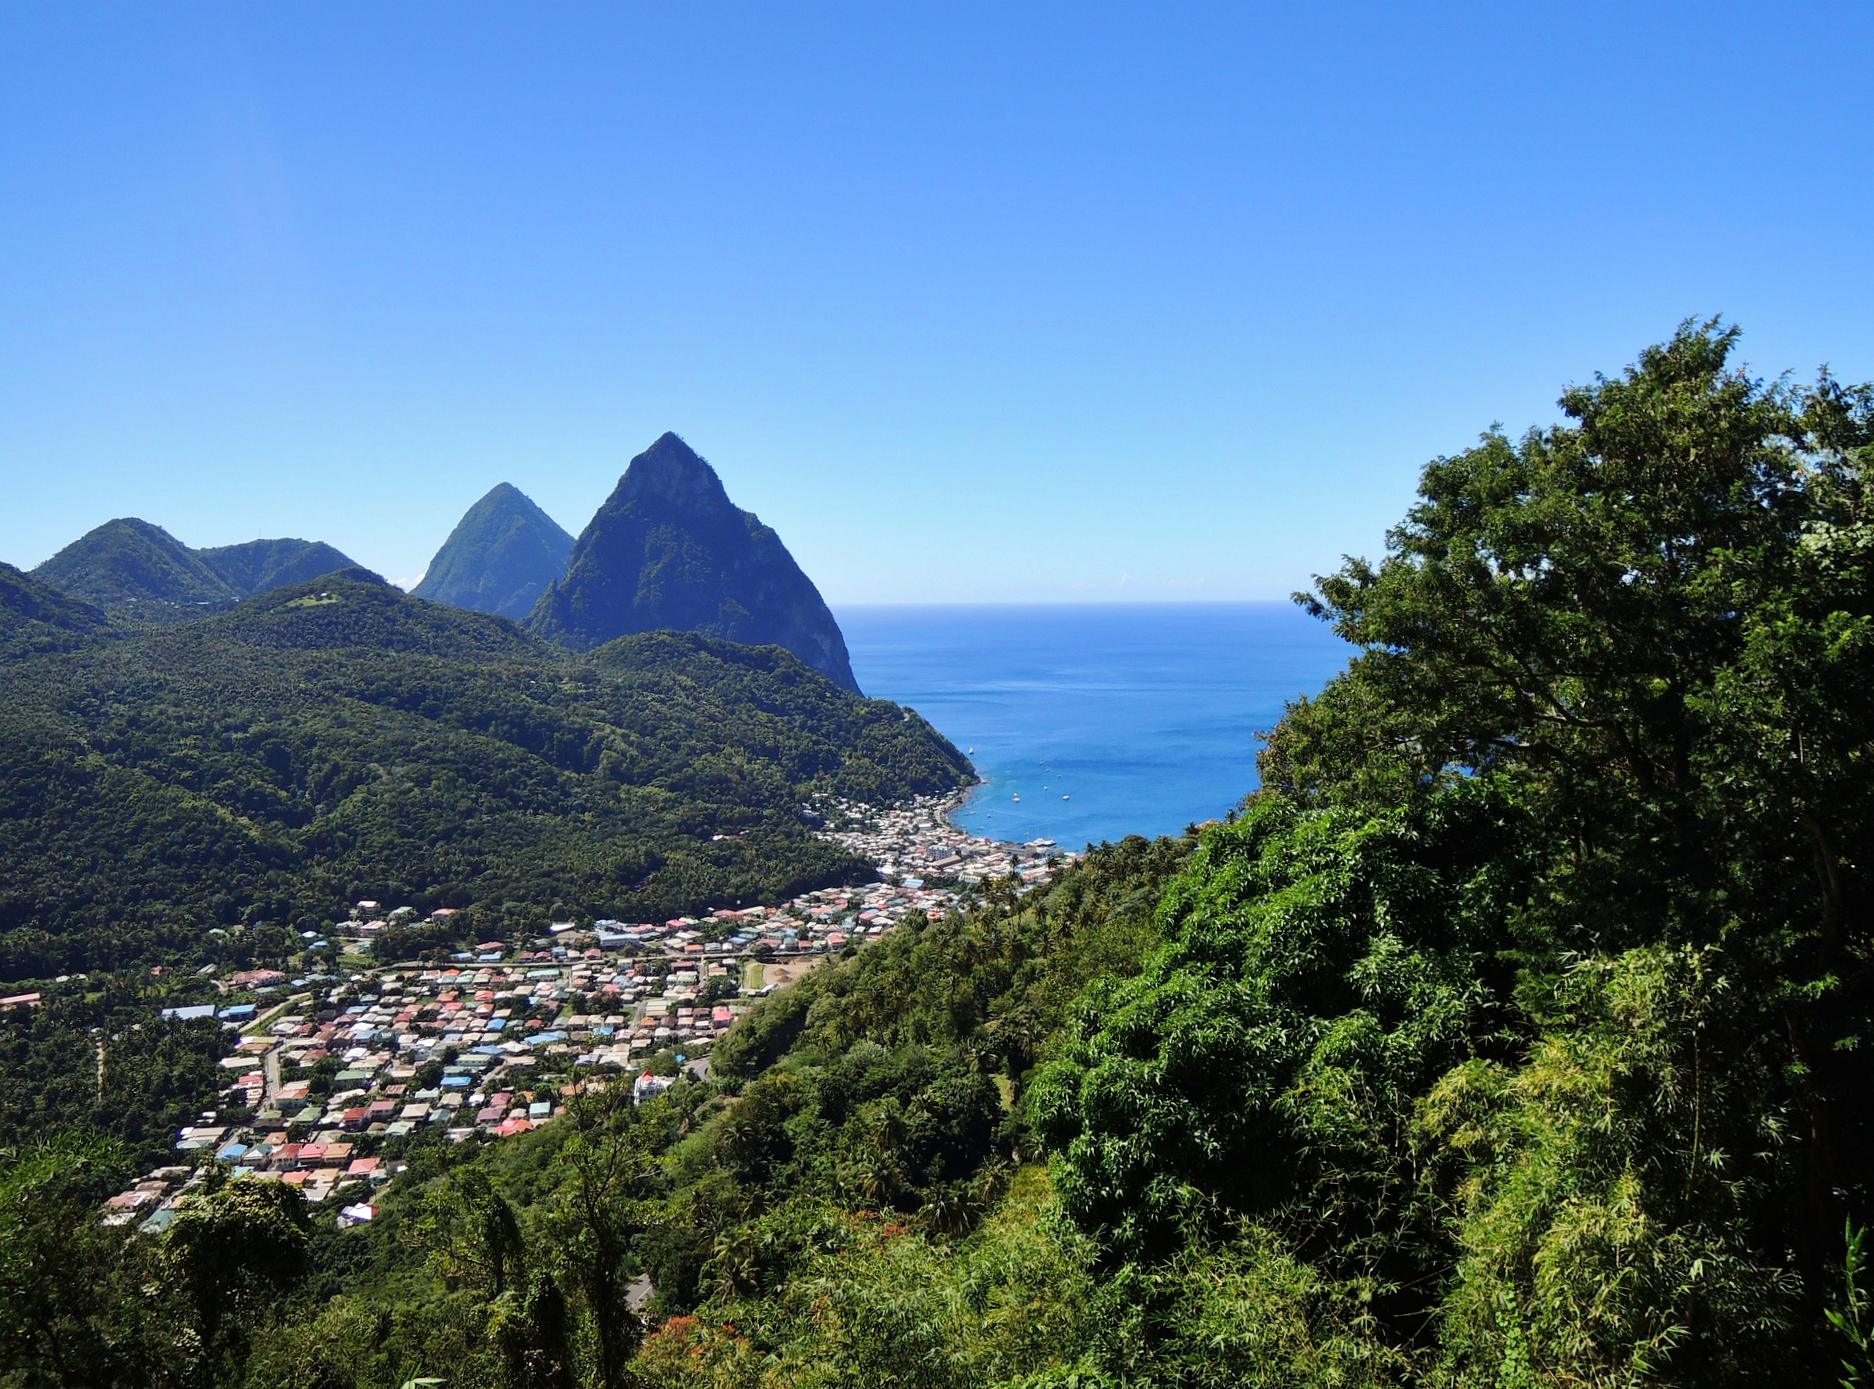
x=997, y=302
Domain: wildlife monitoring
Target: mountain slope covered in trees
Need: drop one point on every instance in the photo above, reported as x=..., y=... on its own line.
x=668, y=549
x=260, y=566
x=341, y=739
x=36, y=617
x=143, y=573
x=130, y=564
x=502, y=555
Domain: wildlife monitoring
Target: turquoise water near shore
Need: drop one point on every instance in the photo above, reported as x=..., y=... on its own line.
x=1105, y=719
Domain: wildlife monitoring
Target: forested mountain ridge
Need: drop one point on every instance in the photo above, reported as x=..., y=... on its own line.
x=129, y=563
x=668, y=549
x=141, y=571
x=502, y=555
x=274, y=761
x=259, y=566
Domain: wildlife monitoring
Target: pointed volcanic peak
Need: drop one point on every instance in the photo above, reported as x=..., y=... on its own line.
x=259, y=566
x=502, y=555
x=669, y=550
x=130, y=565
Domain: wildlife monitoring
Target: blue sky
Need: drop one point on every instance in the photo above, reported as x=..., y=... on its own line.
x=969, y=302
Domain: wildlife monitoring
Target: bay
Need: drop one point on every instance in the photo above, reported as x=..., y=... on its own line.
x=1089, y=722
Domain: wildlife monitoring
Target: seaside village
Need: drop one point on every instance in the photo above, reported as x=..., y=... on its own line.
x=333, y=1076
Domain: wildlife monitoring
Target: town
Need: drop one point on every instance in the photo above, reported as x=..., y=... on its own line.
x=334, y=1076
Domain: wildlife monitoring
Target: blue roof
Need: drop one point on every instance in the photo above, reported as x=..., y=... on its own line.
x=456, y=1082
x=237, y=1010
x=230, y=1151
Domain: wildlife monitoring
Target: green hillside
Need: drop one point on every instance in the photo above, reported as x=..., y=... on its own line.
x=669, y=550
x=342, y=739
x=502, y=555
x=35, y=617
x=259, y=566
x=130, y=564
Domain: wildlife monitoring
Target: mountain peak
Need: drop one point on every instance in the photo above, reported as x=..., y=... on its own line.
x=259, y=566
x=673, y=471
x=670, y=551
x=501, y=556
x=129, y=561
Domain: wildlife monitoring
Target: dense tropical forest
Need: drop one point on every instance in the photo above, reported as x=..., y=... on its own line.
x=1515, y=1033
x=326, y=741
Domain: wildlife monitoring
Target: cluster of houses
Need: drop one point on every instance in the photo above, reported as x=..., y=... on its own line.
x=916, y=843
x=333, y=1077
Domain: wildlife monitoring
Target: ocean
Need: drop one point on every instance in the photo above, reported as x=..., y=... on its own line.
x=1089, y=722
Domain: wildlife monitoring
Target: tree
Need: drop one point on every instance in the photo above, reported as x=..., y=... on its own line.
x=80, y=1304
x=602, y=1171
x=1657, y=621
x=233, y=1249
x=471, y=1233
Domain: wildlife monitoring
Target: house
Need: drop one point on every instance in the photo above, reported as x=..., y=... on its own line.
x=648, y=1085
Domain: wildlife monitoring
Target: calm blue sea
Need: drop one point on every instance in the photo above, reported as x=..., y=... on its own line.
x=1105, y=719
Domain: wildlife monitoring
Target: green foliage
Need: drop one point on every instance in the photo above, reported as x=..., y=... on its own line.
x=501, y=556
x=1530, y=1000
x=80, y=1303
x=36, y=618
x=139, y=569
x=1320, y=970
x=260, y=566
x=1851, y=1319
x=275, y=761
x=106, y=1064
x=233, y=1249
x=668, y=550
x=1603, y=1188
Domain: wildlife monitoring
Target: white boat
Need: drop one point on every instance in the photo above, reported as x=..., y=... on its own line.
x=1067, y=798
x=1016, y=797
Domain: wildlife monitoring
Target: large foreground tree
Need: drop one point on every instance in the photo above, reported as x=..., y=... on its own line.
x=1530, y=1002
